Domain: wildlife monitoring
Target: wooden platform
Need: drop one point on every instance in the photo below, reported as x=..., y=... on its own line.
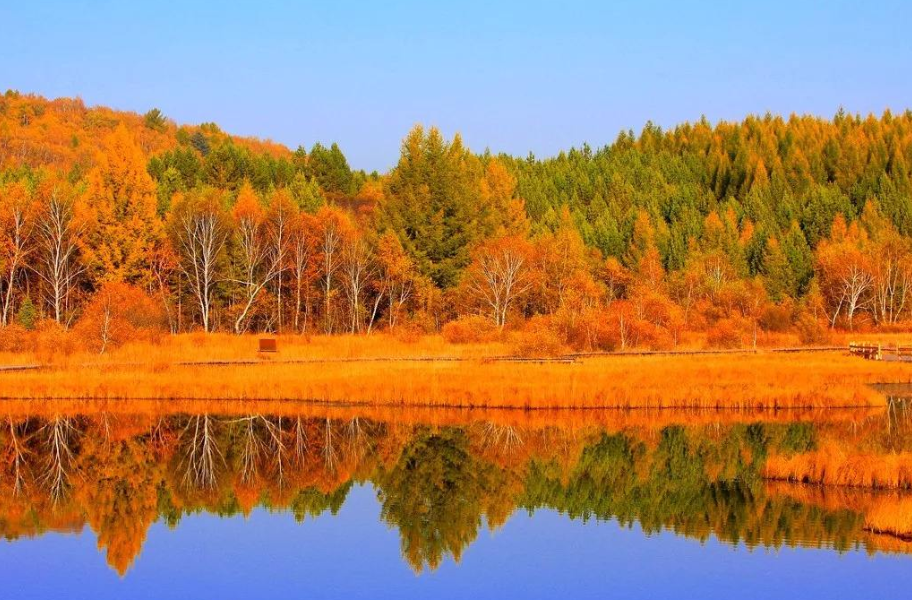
x=877, y=351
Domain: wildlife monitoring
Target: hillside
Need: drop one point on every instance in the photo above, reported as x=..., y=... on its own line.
x=64, y=134
x=727, y=235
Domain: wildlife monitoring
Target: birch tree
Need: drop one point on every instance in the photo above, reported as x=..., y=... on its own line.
x=281, y=217
x=357, y=272
x=844, y=271
x=333, y=228
x=259, y=259
x=199, y=230
x=58, y=234
x=500, y=274
x=16, y=229
x=303, y=266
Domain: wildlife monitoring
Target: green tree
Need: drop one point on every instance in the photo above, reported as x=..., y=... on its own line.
x=28, y=314
x=432, y=204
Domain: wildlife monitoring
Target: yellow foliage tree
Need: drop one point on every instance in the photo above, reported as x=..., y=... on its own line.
x=121, y=200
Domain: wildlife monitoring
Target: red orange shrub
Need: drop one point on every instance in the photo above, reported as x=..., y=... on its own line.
x=539, y=338
x=776, y=318
x=811, y=331
x=117, y=314
x=471, y=329
x=14, y=338
x=725, y=334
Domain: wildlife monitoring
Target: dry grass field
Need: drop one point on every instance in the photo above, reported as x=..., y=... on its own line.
x=383, y=370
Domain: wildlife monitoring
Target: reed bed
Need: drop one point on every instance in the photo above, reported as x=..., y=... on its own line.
x=886, y=515
x=611, y=420
x=430, y=372
x=892, y=516
x=836, y=465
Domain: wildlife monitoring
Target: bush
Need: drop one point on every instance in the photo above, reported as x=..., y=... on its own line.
x=811, y=332
x=15, y=338
x=776, y=318
x=51, y=340
x=725, y=334
x=656, y=338
x=586, y=331
x=472, y=329
x=119, y=313
x=407, y=333
x=538, y=340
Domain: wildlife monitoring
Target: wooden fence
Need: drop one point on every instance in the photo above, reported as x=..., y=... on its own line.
x=878, y=351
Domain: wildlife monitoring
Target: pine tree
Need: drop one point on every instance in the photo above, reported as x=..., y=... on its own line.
x=432, y=204
x=27, y=315
x=800, y=259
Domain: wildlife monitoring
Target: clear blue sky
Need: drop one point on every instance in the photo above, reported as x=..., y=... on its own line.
x=510, y=76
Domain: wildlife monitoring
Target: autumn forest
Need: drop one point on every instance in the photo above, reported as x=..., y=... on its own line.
x=771, y=231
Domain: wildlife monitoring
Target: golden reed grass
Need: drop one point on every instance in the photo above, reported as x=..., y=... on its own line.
x=834, y=464
x=431, y=372
x=892, y=516
x=887, y=516
x=611, y=420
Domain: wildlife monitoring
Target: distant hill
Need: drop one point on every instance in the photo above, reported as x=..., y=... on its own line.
x=64, y=134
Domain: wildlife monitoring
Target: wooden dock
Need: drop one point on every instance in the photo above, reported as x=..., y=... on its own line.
x=878, y=351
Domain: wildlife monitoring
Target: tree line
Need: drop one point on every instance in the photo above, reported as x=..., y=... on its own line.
x=116, y=223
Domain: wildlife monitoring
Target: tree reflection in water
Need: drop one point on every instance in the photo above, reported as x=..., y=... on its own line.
x=440, y=480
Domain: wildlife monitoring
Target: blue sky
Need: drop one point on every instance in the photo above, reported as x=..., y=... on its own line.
x=510, y=76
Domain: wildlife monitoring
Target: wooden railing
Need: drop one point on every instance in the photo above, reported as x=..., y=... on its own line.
x=868, y=350
x=878, y=351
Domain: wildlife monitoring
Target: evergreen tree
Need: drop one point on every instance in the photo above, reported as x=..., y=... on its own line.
x=432, y=204
x=28, y=314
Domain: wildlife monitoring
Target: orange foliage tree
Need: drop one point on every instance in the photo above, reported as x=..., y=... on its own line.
x=124, y=227
x=119, y=313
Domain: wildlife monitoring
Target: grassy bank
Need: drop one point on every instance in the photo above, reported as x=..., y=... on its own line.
x=385, y=371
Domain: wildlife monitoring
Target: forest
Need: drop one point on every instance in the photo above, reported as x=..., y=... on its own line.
x=116, y=226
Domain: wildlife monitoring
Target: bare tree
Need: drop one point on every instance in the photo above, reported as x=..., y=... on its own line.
x=330, y=455
x=499, y=275
x=856, y=281
x=252, y=448
x=201, y=232
x=331, y=238
x=260, y=260
x=892, y=272
x=395, y=278
x=58, y=235
x=17, y=225
x=300, y=440
x=281, y=220
x=163, y=269
x=505, y=438
x=16, y=457
x=303, y=251
x=59, y=456
x=357, y=270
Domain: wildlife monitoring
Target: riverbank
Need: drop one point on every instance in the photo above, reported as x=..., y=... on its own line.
x=386, y=371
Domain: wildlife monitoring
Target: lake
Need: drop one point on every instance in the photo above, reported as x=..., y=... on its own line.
x=231, y=500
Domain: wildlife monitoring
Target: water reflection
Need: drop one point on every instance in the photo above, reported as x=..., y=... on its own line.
x=441, y=477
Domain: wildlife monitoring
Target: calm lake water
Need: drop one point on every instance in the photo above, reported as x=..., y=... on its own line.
x=214, y=500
